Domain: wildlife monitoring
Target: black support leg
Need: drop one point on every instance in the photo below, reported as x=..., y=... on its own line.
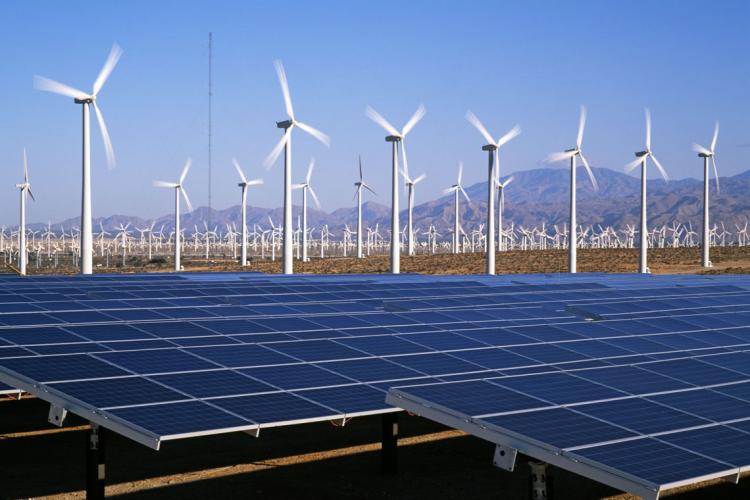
x=389, y=450
x=95, y=464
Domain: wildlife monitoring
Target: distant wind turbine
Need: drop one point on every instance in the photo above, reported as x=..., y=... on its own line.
x=492, y=147
x=707, y=154
x=500, y=207
x=244, y=185
x=455, y=188
x=361, y=184
x=285, y=144
x=409, y=184
x=396, y=138
x=305, y=187
x=572, y=154
x=87, y=100
x=641, y=159
x=25, y=188
x=179, y=189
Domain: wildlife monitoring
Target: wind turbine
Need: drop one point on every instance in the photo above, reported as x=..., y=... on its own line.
x=25, y=188
x=87, y=100
x=492, y=147
x=396, y=138
x=286, y=144
x=409, y=184
x=707, y=154
x=455, y=188
x=572, y=154
x=177, y=186
x=244, y=185
x=361, y=184
x=641, y=159
x=500, y=207
x=305, y=187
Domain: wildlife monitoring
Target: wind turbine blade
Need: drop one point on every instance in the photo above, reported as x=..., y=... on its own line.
x=284, y=88
x=314, y=196
x=310, y=170
x=466, y=195
x=460, y=172
x=418, y=115
x=420, y=178
x=405, y=175
x=254, y=182
x=661, y=169
x=648, y=130
x=563, y=155
x=164, y=184
x=28, y=190
x=635, y=163
x=378, y=118
x=185, y=170
x=589, y=171
x=315, y=133
x=25, y=168
x=187, y=200
x=472, y=118
x=403, y=156
x=276, y=151
x=369, y=189
x=509, y=136
x=109, y=65
x=716, y=172
x=716, y=136
x=450, y=189
x=110, y=152
x=700, y=149
x=47, y=85
x=298, y=186
x=360, y=168
x=508, y=181
x=581, y=126
x=239, y=170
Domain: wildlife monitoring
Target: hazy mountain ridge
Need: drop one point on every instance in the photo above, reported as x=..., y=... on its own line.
x=535, y=197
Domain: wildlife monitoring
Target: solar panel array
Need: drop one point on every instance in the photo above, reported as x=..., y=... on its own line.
x=159, y=357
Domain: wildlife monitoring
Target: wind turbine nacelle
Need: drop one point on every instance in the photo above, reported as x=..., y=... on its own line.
x=489, y=147
x=392, y=138
x=285, y=124
x=85, y=100
x=704, y=155
x=641, y=154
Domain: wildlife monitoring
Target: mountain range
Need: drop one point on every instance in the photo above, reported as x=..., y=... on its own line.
x=534, y=197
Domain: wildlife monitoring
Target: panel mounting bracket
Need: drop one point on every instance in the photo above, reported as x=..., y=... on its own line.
x=254, y=432
x=57, y=415
x=505, y=457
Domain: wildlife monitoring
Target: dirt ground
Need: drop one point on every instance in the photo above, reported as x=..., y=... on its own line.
x=319, y=460
x=661, y=260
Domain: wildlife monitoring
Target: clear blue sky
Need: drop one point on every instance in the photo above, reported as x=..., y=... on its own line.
x=531, y=63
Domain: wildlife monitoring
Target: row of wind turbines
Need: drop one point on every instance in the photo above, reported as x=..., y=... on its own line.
x=397, y=140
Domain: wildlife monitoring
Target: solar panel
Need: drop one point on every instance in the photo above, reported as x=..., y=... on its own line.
x=170, y=357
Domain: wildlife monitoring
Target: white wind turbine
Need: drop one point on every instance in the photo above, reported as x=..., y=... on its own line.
x=396, y=138
x=244, y=185
x=87, y=100
x=455, y=188
x=492, y=147
x=572, y=154
x=500, y=207
x=641, y=159
x=707, y=154
x=25, y=188
x=286, y=144
x=177, y=186
x=305, y=187
x=361, y=184
x=409, y=184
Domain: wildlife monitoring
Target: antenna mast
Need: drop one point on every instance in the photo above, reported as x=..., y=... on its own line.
x=210, y=93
